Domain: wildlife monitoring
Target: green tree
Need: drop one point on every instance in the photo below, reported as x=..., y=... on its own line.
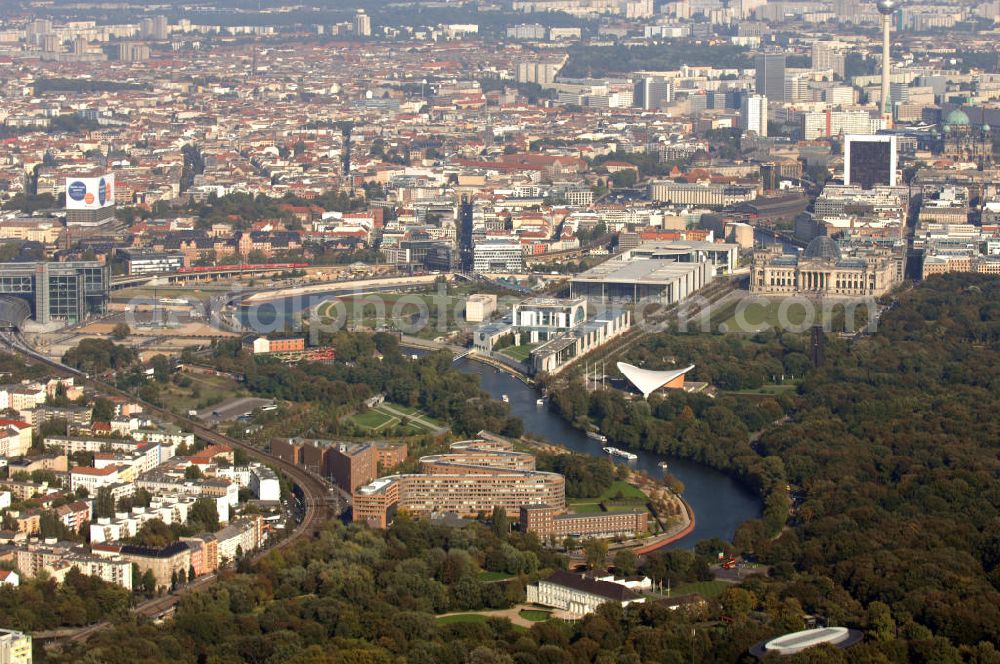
x=880, y=625
x=737, y=603
x=205, y=514
x=499, y=522
x=596, y=552
x=625, y=562
x=104, y=503
x=148, y=582
x=103, y=410
x=120, y=331
x=161, y=368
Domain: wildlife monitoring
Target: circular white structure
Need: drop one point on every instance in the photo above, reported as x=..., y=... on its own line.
x=789, y=644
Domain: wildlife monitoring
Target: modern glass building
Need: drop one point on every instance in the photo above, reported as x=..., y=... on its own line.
x=58, y=291
x=770, y=70
x=870, y=160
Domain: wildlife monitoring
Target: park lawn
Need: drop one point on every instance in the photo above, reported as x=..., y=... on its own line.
x=147, y=292
x=404, y=409
x=707, y=589
x=535, y=615
x=798, y=314
x=462, y=618
x=761, y=316
x=623, y=507
x=381, y=417
x=629, y=492
x=767, y=390
x=373, y=419
x=419, y=421
x=473, y=618
x=519, y=353
x=211, y=390
x=494, y=576
x=413, y=429
x=396, y=310
x=632, y=498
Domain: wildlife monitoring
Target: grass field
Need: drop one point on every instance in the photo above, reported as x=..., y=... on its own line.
x=201, y=294
x=631, y=497
x=388, y=415
x=373, y=419
x=462, y=618
x=535, y=615
x=768, y=390
x=760, y=316
x=627, y=491
x=519, y=353
x=472, y=618
x=425, y=315
x=794, y=314
x=707, y=589
x=204, y=391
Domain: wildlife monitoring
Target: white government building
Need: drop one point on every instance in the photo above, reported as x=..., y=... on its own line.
x=578, y=594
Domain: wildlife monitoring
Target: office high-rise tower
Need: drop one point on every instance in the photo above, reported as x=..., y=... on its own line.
x=652, y=92
x=870, y=160
x=362, y=24
x=753, y=114
x=771, y=75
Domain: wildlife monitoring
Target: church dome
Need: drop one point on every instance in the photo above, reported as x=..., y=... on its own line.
x=956, y=118
x=822, y=247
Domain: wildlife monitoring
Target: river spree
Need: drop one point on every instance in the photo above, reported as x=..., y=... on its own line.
x=720, y=503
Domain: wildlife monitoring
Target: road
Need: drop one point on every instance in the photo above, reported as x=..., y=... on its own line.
x=232, y=409
x=318, y=498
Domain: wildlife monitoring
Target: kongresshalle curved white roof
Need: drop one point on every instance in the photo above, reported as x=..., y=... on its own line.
x=647, y=381
x=796, y=642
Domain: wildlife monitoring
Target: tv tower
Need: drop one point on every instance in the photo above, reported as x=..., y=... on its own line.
x=886, y=8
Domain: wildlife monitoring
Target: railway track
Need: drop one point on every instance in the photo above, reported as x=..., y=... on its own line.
x=316, y=494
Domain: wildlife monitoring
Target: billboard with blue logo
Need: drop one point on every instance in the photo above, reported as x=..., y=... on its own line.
x=90, y=193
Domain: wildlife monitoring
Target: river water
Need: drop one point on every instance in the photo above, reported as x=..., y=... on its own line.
x=720, y=503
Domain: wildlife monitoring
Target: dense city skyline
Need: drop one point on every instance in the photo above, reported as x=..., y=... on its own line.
x=499, y=331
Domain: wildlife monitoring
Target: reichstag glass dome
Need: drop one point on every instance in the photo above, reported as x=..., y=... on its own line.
x=822, y=247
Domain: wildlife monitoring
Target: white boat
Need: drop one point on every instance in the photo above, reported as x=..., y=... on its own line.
x=614, y=451
x=539, y=402
x=663, y=465
x=597, y=436
x=505, y=398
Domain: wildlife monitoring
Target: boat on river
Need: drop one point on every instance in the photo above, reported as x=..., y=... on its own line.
x=597, y=435
x=622, y=454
